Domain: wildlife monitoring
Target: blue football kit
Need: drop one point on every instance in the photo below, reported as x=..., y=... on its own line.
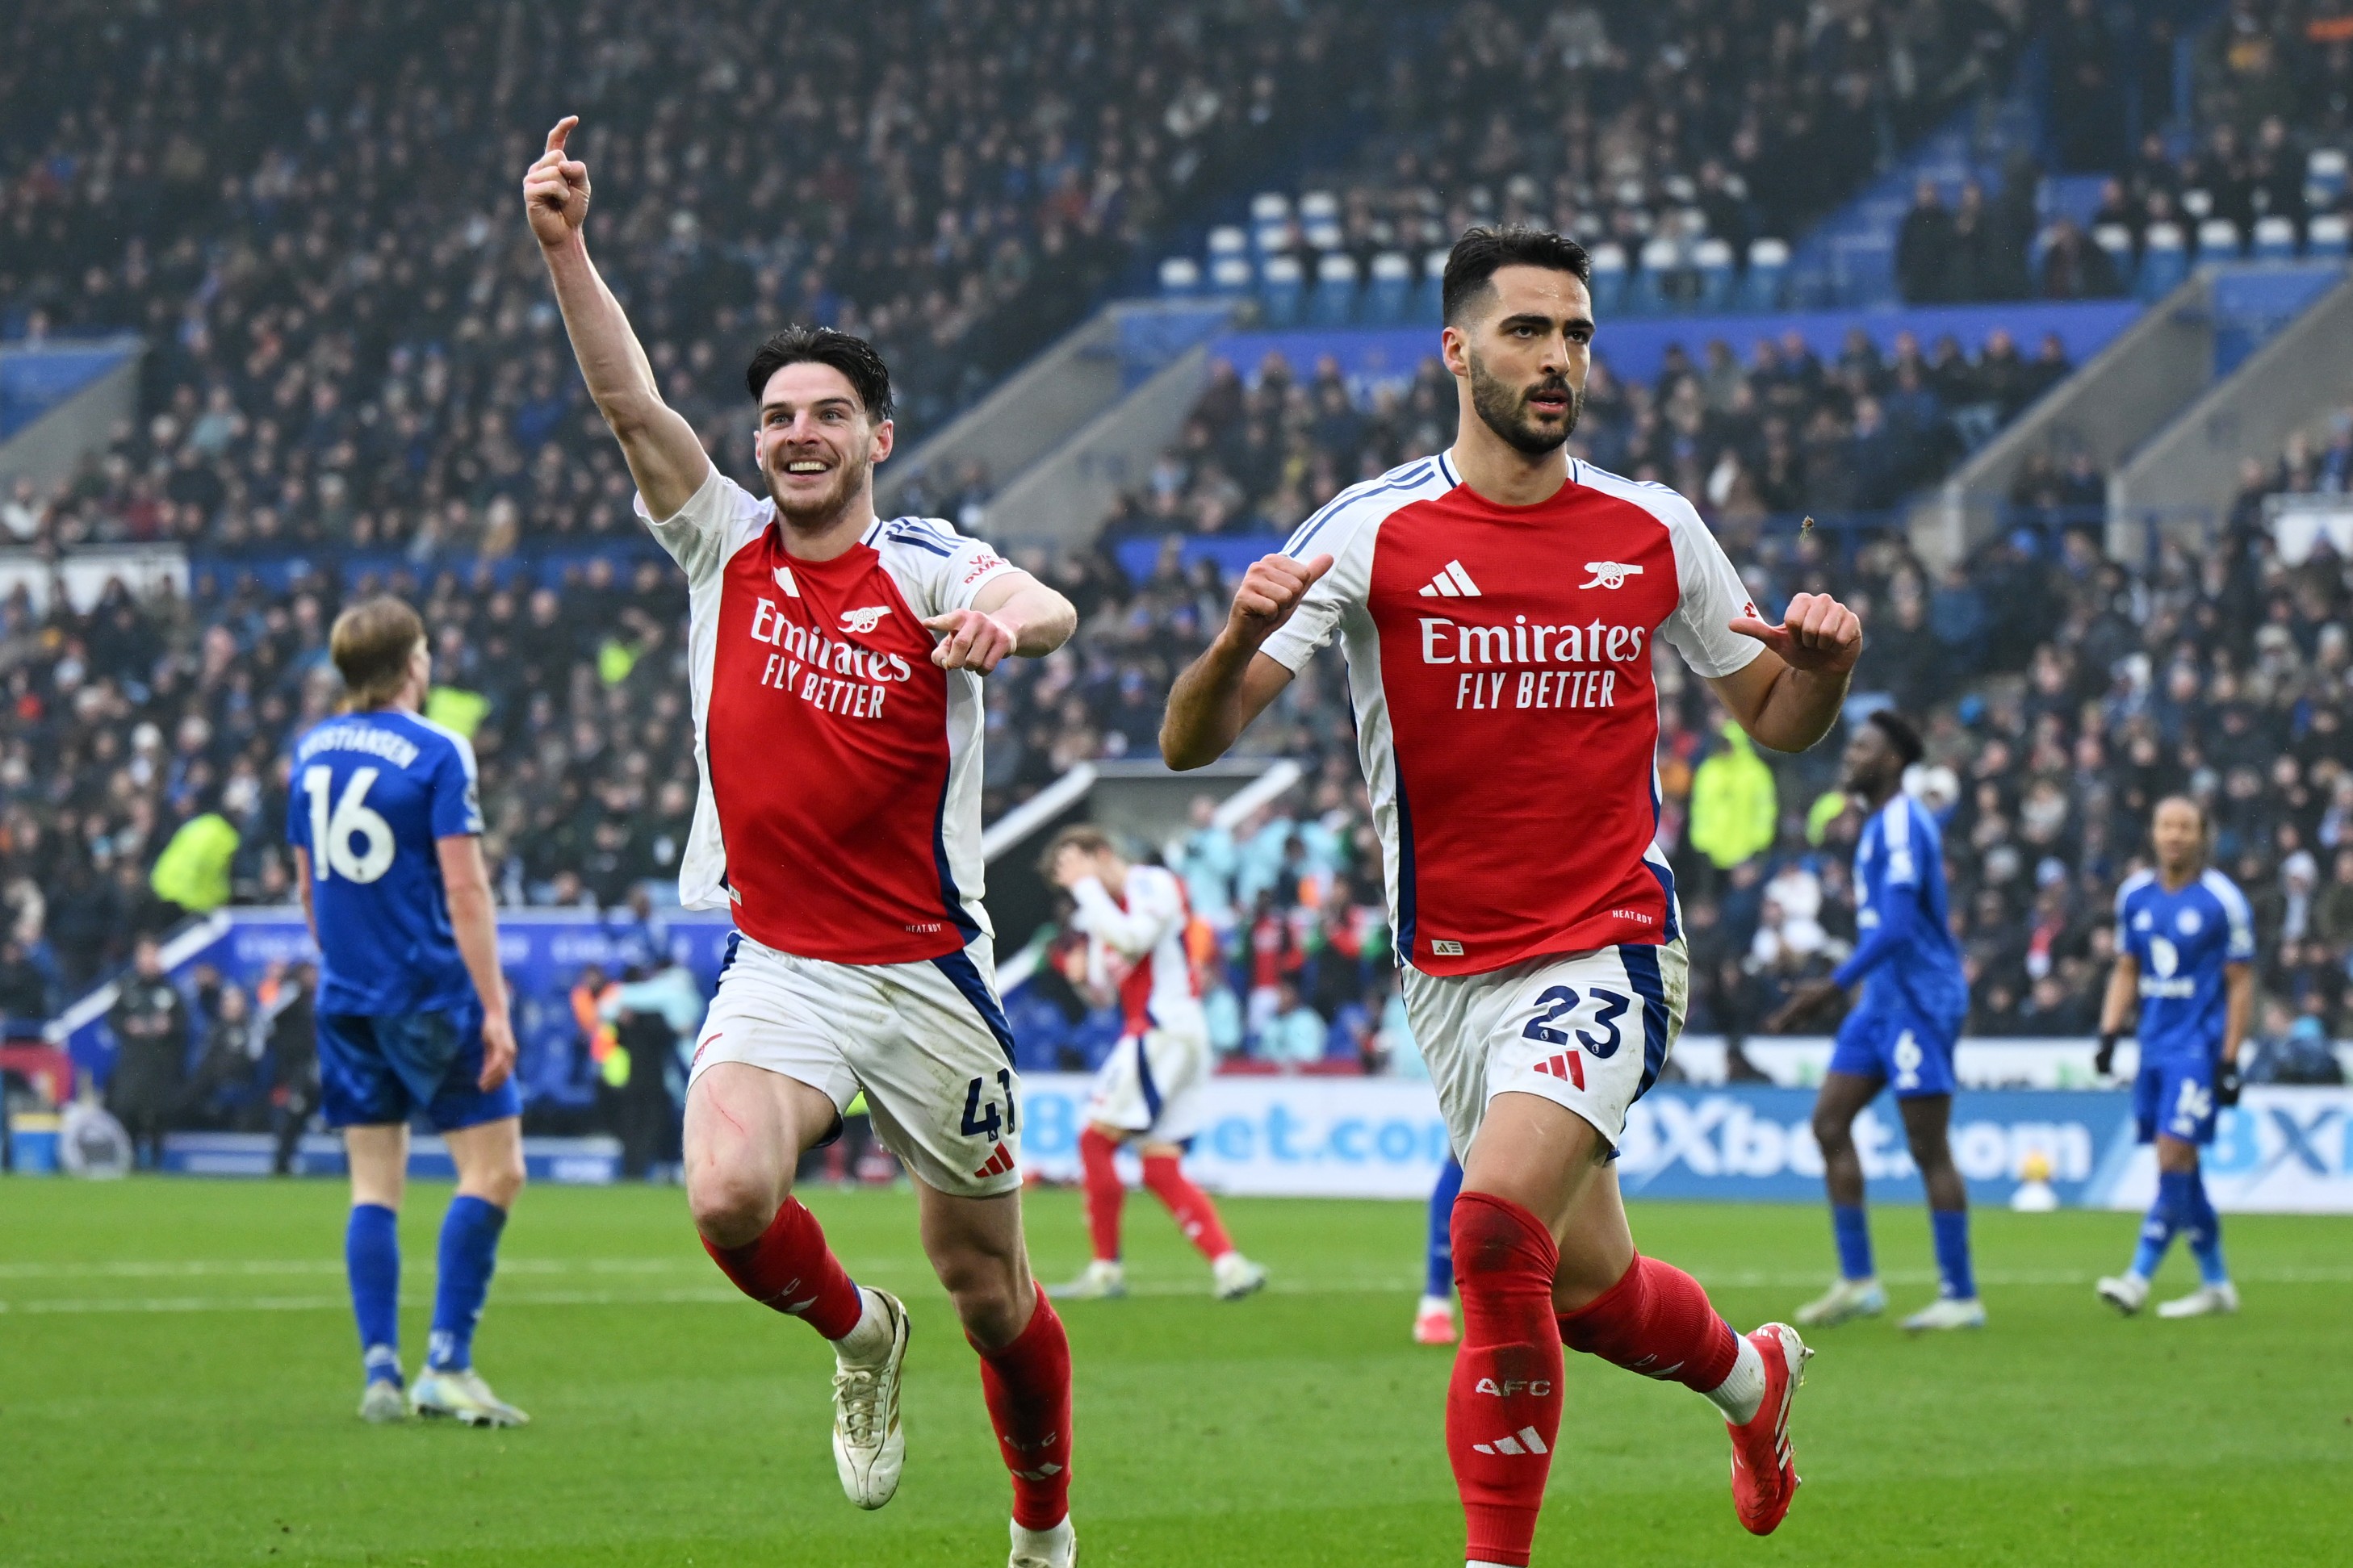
x=2183, y=942
x=400, y=1027
x=1914, y=994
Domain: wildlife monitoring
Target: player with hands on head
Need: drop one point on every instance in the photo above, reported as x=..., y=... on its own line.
x=412, y=1007
x=2185, y=956
x=1147, y=1093
x=1499, y=603
x=1914, y=997
x=837, y=666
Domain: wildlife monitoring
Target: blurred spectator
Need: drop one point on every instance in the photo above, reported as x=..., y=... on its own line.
x=289, y=996
x=151, y=1026
x=1294, y=1034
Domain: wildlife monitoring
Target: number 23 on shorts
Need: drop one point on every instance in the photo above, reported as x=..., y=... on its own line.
x=1557, y=1003
x=981, y=1120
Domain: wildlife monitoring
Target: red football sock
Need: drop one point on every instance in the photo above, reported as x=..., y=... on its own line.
x=1027, y=1384
x=791, y=1268
x=1197, y=1217
x=1656, y=1321
x=1503, y=1407
x=1105, y=1193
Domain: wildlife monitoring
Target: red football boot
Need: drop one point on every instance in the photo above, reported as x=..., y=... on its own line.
x=1764, y=1468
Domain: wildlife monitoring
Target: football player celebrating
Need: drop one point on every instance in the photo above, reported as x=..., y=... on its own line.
x=837, y=663
x=1500, y=603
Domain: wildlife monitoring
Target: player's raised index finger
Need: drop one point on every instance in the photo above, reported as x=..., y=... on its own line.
x=563, y=129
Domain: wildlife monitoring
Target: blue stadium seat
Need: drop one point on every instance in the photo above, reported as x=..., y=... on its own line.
x=1714, y=259
x=1180, y=276
x=1433, y=284
x=2326, y=239
x=1648, y=293
x=2218, y=240
x=2164, y=262
x=1228, y=239
x=1318, y=207
x=1335, y=302
x=1390, y=300
x=1270, y=238
x=2116, y=240
x=1609, y=279
x=2324, y=176
x=1281, y=289
x=1270, y=206
x=1324, y=234
x=1768, y=274
x=2274, y=240
x=1229, y=275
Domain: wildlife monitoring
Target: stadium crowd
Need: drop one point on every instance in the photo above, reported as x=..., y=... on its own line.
x=313, y=220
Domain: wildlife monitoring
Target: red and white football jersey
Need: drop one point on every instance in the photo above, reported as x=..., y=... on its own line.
x=1500, y=662
x=1135, y=942
x=840, y=815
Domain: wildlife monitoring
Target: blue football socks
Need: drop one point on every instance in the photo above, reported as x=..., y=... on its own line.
x=469, y=1252
x=372, y=1259
x=2168, y=1215
x=1439, y=1279
x=1951, y=1229
x=1852, y=1225
x=2203, y=1231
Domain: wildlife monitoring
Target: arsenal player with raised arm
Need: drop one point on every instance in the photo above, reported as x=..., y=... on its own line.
x=836, y=662
x=1499, y=604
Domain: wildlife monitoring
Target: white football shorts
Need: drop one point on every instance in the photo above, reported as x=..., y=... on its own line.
x=927, y=1042
x=1586, y=1030
x=1151, y=1084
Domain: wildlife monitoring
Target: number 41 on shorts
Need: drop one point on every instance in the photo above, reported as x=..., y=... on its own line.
x=981, y=1120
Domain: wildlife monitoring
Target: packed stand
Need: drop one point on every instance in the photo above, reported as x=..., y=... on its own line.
x=314, y=222
x=1636, y=127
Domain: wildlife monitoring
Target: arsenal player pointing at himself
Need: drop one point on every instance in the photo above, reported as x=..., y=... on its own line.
x=836, y=663
x=1498, y=604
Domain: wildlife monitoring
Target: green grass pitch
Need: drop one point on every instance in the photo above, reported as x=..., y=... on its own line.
x=177, y=1378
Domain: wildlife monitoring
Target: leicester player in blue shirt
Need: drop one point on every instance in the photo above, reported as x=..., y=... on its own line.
x=1914, y=997
x=2184, y=950
x=412, y=1008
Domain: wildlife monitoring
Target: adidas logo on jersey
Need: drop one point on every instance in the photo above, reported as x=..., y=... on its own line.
x=1610, y=573
x=1451, y=583
x=1523, y=1441
x=865, y=619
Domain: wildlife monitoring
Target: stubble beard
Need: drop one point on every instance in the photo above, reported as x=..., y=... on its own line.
x=817, y=516
x=1503, y=410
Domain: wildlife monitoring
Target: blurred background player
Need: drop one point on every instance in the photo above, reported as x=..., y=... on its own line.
x=1433, y=1316
x=837, y=683
x=412, y=1008
x=1914, y=997
x=1148, y=1091
x=2185, y=950
x=1500, y=603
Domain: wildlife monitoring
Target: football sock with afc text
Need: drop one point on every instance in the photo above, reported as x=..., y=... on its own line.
x=1504, y=1404
x=1028, y=1386
x=792, y=1270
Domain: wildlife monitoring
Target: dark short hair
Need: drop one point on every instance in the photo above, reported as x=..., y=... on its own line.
x=854, y=357
x=1482, y=249
x=1900, y=734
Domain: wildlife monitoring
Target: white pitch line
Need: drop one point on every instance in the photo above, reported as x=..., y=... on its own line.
x=720, y=1296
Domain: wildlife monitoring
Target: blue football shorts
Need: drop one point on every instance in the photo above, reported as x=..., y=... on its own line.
x=2175, y=1096
x=377, y=1071
x=1912, y=1053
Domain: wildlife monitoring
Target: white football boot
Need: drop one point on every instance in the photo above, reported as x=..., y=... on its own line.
x=384, y=1403
x=462, y=1397
x=869, y=1449
x=1106, y=1280
x=1843, y=1302
x=1233, y=1276
x=2205, y=1301
x=1055, y=1548
x=2127, y=1293
x=1947, y=1312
